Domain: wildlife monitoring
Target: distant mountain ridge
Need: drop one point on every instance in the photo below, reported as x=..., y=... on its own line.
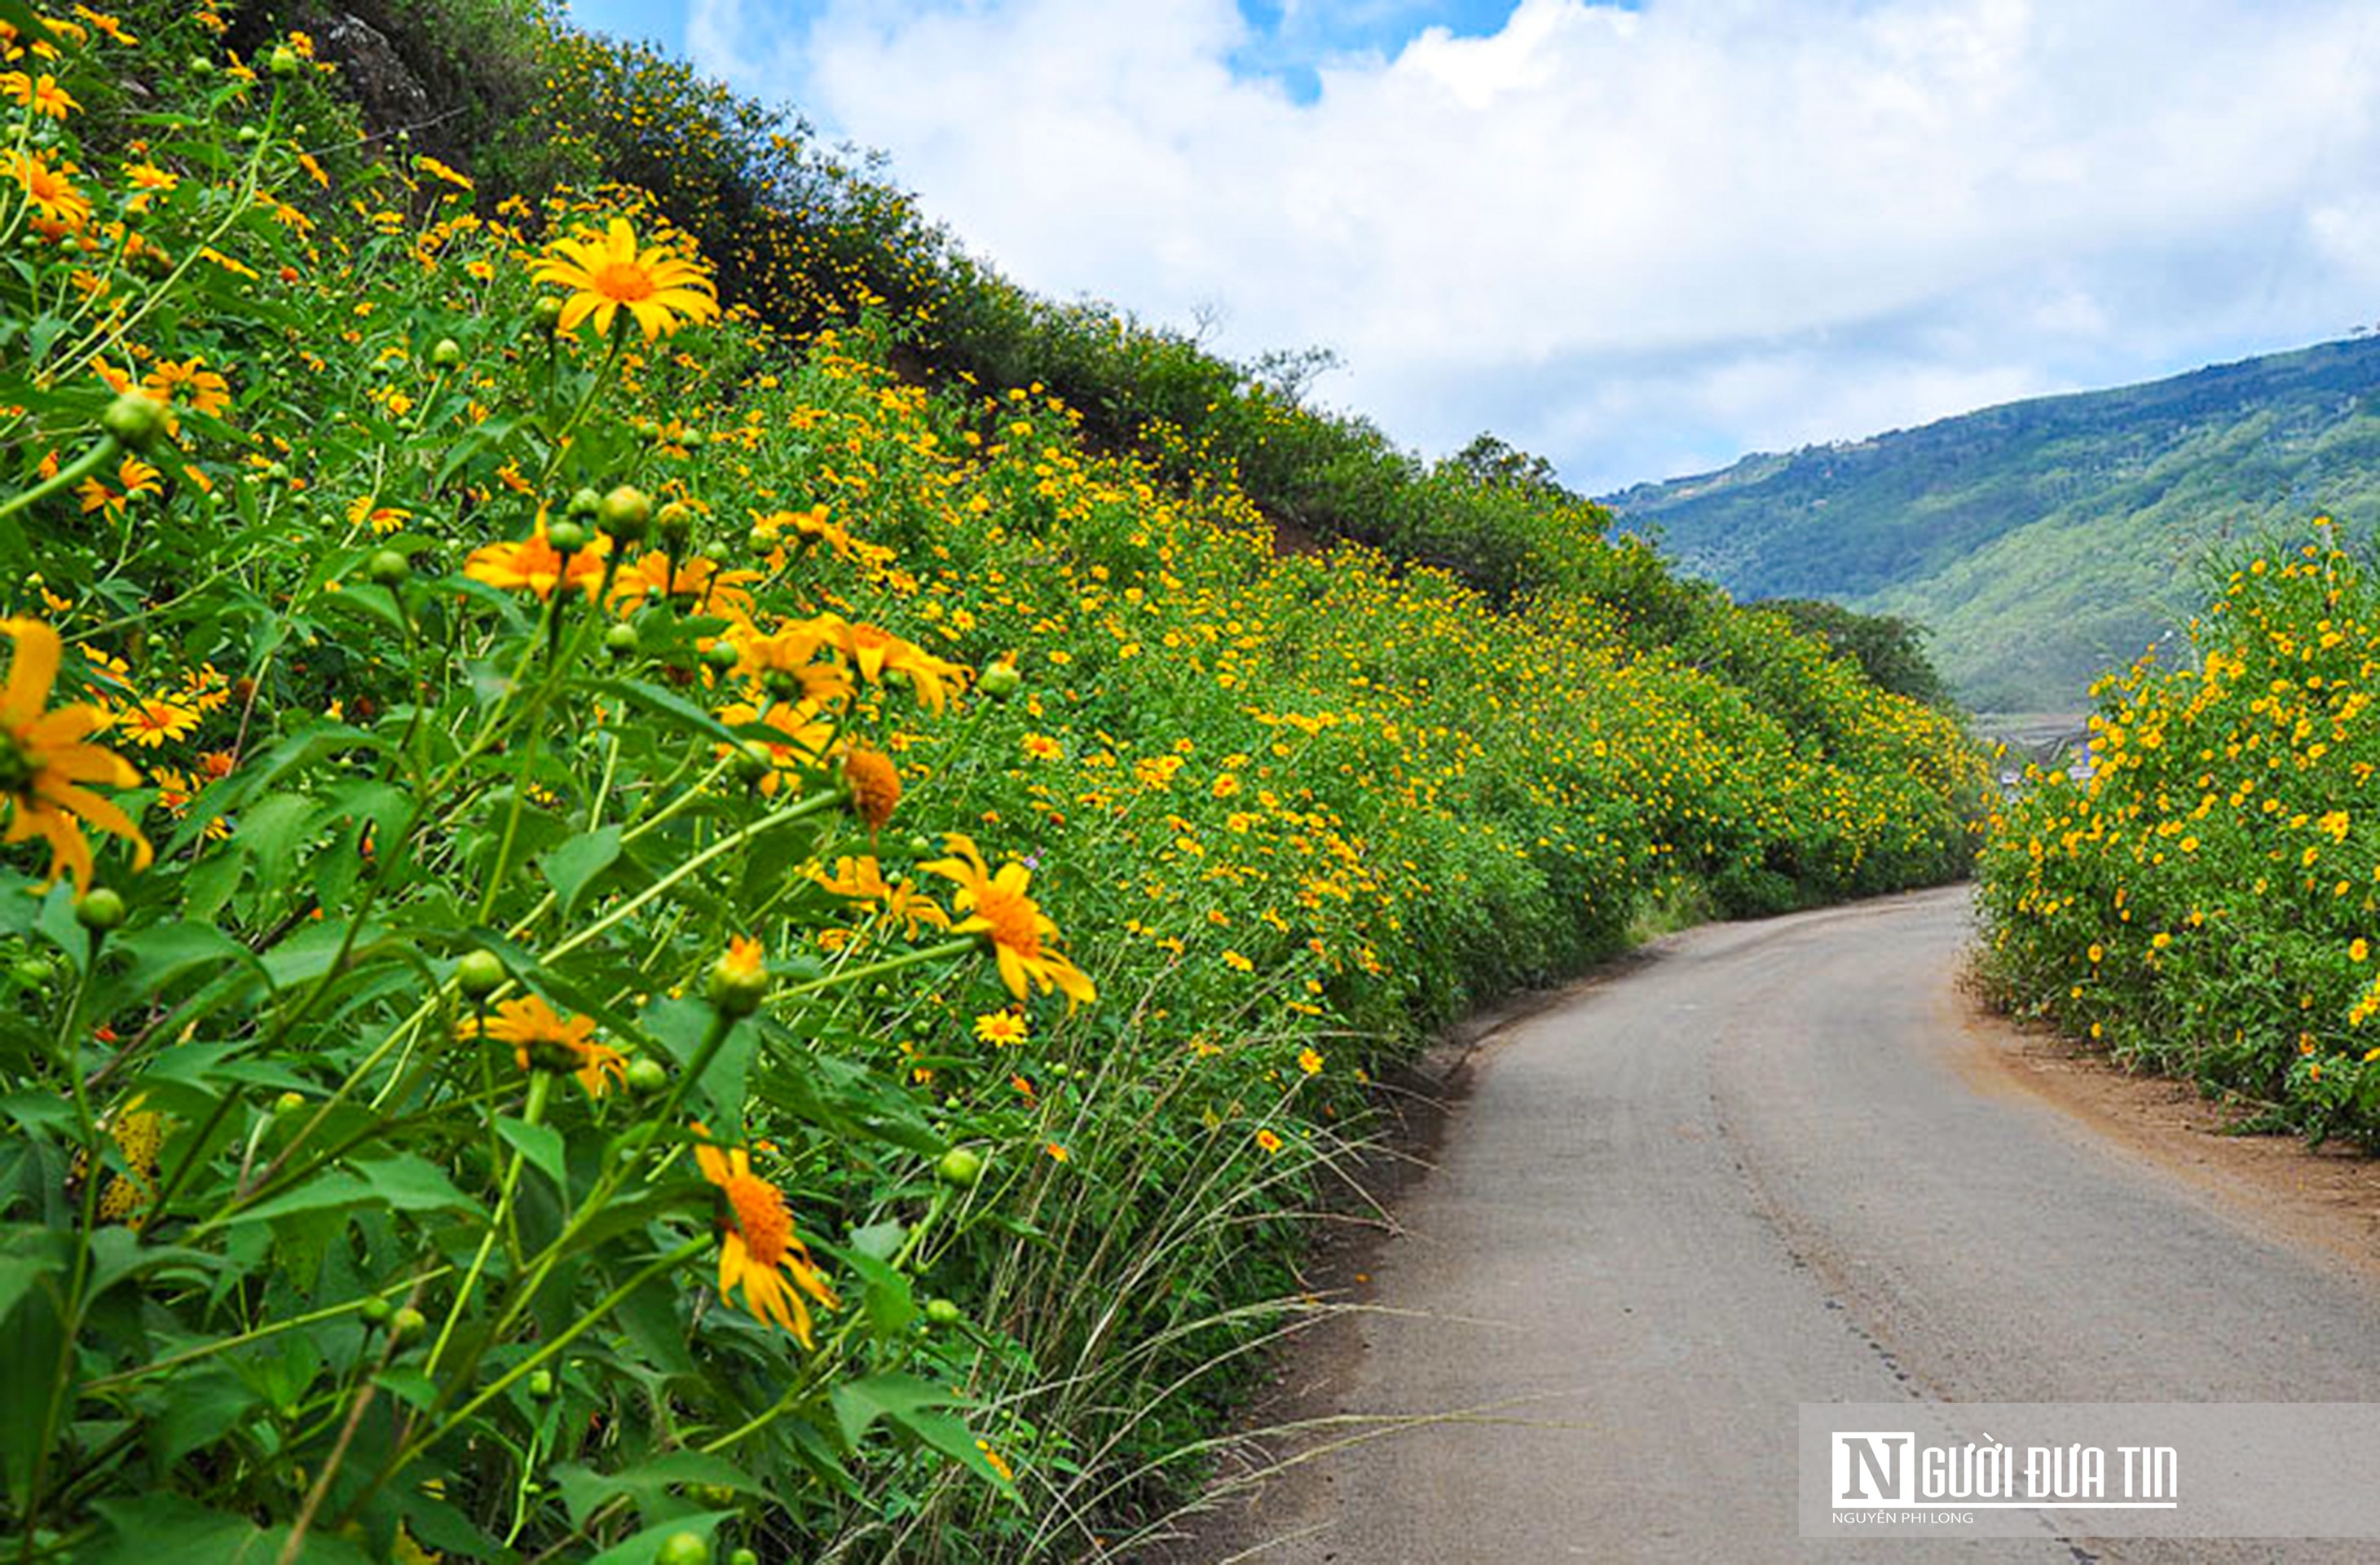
x=2043, y=540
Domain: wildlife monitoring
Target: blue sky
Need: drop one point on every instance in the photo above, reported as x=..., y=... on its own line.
x=1640, y=239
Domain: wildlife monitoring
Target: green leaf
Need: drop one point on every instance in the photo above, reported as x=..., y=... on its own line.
x=165, y=951
x=58, y=925
x=889, y=1303
x=571, y=867
x=584, y=1490
x=859, y=1403
x=662, y=703
x=542, y=1145
x=413, y=1184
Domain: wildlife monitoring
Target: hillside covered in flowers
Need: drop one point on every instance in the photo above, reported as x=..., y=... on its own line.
x=652, y=913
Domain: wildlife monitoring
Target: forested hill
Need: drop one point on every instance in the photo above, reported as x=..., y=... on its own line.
x=2042, y=540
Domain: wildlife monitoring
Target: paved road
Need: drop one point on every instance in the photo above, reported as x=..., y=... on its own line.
x=1753, y=1173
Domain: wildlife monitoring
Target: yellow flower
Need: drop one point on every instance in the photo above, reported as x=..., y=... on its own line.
x=190, y=385
x=786, y=663
x=366, y=508
x=1309, y=1061
x=876, y=652
x=1001, y=1029
x=543, y=1039
x=805, y=737
x=43, y=97
x=998, y=909
x=43, y=761
x=1268, y=1141
x=696, y=578
x=607, y=274
x=862, y=880
x=535, y=565
x=758, y=1248
x=149, y=723
x=51, y=192
x=137, y=478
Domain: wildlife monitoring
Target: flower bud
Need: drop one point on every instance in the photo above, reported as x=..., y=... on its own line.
x=101, y=909
x=567, y=536
x=683, y=1548
x=479, y=974
x=739, y=979
x=999, y=681
x=960, y=1166
x=447, y=355
x=623, y=514
x=284, y=61
x=388, y=568
x=136, y=420
x=621, y=640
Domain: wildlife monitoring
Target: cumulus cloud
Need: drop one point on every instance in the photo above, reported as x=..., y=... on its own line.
x=1636, y=239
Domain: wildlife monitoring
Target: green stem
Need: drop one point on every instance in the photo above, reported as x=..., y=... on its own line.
x=540, y=1087
x=80, y=469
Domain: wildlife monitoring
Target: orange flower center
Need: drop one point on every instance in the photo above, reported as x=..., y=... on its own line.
x=624, y=281
x=1011, y=917
x=760, y=1217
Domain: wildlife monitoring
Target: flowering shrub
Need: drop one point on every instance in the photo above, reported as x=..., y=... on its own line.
x=628, y=937
x=2204, y=900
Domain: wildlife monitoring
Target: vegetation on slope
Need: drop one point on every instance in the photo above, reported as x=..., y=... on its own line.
x=2042, y=542
x=2208, y=901
x=630, y=935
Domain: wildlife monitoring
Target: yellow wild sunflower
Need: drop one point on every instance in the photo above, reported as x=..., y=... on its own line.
x=544, y=1039
x=44, y=761
x=758, y=1250
x=607, y=274
x=998, y=908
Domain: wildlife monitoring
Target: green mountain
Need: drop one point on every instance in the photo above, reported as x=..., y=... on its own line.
x=2042, y=542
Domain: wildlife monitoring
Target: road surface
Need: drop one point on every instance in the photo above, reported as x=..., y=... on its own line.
x=1767, y=1167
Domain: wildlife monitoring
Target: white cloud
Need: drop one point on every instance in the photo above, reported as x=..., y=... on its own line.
x=1623, y=238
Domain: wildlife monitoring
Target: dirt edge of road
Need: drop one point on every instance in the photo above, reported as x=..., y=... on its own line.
x=2326, y=1199
x=1302, y=1374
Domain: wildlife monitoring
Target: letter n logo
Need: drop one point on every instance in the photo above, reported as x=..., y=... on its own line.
x=1874, y=1468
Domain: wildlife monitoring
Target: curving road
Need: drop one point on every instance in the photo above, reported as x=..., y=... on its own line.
x=1770, y=1165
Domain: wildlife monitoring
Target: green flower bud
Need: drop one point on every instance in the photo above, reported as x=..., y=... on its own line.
x=960, y=1166
x=621, y=640
x=136, y=420
x=407, y=1325
x=683, y=1548
x=624, y=514
x=999, y=681
x=388, y=568
x=285, y=61
x=943, y=1312
x=447, y=355
x=567, y=536
x=479, y=974
x=376, y=1311
x=102, y=908
x=648, y=1077
x=546, y=314
x=540, y=1384
x=722, y=655
x=738, y=982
